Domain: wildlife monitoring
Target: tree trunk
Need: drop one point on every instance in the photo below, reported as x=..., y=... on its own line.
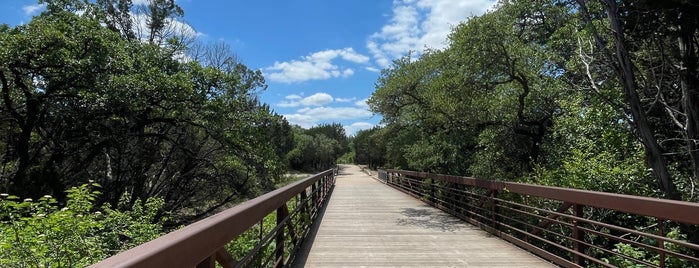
x=625, y=71
x=688, y=84
x=623, y=68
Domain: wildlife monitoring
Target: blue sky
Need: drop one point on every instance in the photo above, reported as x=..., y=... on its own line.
x=320, y=58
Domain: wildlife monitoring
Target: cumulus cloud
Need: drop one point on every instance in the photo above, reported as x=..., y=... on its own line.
x=345, y=99
x=316, y=66
x=341, y=113
x=318, y=99
x=305, y=121
x=416, y=24
x=313, y=110
x=357, y=126
x=33, y=9
x=310, y=116
x=322, y=108
x=362, y=103
x=372, y=69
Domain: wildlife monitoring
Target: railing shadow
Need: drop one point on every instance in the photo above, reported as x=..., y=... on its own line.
x=429, y=219
x=559, y=224
x=302, y=255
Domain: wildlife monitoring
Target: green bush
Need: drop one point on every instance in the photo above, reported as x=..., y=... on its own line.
x=37, y=233
x=651, y=257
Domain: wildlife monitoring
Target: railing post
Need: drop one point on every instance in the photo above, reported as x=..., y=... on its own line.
x=314, y=197
x=282, y=212
x=209, y=262
x=578, y=235
x=433, y=198
x=304, y=202
x=661, y=244
x=494, y=209
x=326, y=187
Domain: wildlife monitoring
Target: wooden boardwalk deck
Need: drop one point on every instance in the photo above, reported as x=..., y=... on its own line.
x=368, y=224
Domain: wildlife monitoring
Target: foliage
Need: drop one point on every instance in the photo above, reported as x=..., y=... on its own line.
x=639, y=253
x=40, y=234
x=597, y=95
x=533, y=91
x=85, y=96
x=317, y=148
x=369, y=147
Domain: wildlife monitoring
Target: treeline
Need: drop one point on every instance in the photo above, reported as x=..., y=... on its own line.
x=124, y=95
x=600, y=95
x=317, y=148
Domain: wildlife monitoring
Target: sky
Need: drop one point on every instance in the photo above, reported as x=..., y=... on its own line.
x=320, y=58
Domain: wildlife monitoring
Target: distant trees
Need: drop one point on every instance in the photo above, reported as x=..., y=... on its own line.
x=369, y=147
x=317, y=148
x=85, y=97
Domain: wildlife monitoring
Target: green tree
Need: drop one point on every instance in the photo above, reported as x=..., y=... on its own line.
x=82, y=98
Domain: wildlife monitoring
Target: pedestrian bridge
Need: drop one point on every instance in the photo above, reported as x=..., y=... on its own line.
x=347, y=218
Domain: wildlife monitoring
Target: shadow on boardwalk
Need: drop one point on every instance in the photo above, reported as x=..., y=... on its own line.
x=430, y=219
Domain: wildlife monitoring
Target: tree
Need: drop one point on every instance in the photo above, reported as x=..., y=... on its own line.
x=83, y=100
x=317, y=148
x=652, y=59
x=43, y=81
x=370, y=147
x=484, y=105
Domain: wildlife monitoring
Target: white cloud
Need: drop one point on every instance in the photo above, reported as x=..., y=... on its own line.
x=362, y=103
x=347, y=73
x=357, y=126
x=305, y=121
x=318, y=99
x=372, y=69
x=311, y=116
x=345, y=99
x=417, y=24
x=335, y=113
x=316, y=66
x=33, y=9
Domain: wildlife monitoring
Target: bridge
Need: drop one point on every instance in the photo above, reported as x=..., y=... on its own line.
x=402, y=218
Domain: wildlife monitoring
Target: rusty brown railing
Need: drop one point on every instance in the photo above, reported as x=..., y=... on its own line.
x=569, y=227
x=203, y=244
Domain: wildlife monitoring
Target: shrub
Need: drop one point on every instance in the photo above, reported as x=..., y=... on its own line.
x=37, y=233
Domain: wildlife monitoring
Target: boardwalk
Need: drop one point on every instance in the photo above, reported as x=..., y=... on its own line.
x=368, y=224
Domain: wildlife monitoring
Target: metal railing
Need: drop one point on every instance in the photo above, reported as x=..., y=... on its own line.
x=569, y=227
x=204, y=243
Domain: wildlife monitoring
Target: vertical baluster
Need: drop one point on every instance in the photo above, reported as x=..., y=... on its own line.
x=209, y=262
x=304, y=210
x=433, y=198
x=661, y=244
x=494, y=209
x=314, y=197
x=279, y=252
x=578, y=235
x=262, y=235
x=326, y=187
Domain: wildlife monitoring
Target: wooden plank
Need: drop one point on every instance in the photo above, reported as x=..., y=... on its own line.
x=370, y=224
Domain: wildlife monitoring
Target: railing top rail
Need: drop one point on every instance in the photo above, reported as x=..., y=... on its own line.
x=189, y=245
x=686, y=212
